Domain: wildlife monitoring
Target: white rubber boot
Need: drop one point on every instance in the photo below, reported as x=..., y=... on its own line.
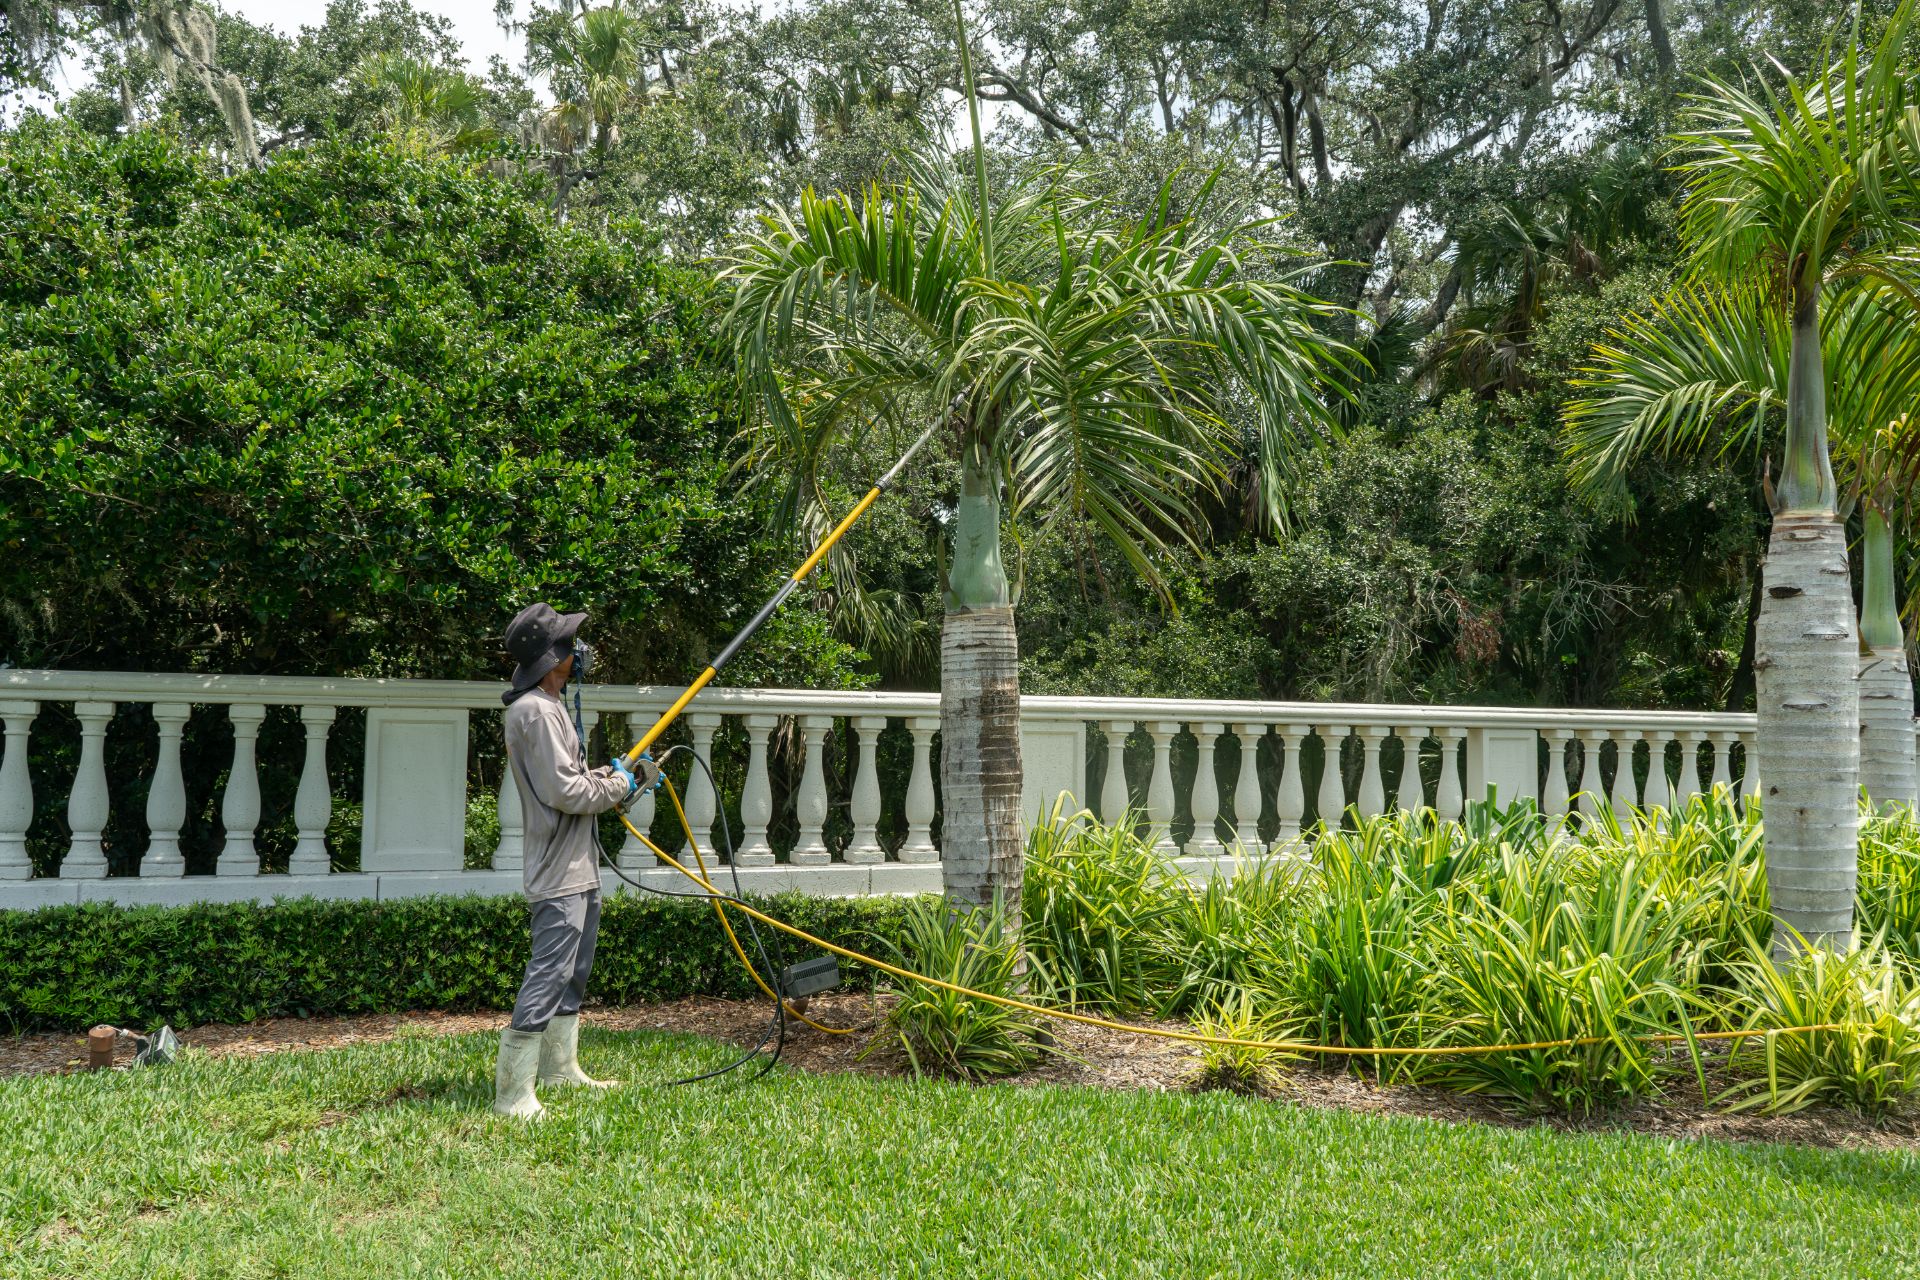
x=560, y=1055
x=513, y=1074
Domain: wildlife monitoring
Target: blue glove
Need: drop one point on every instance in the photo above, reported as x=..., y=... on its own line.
x=647, y=779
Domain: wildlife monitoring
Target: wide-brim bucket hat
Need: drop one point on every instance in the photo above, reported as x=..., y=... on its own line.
x=538, y=639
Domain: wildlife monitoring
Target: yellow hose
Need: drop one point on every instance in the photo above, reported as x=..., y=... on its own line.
x=1191, y=1037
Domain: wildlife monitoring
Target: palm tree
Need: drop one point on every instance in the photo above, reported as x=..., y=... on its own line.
x=1794, y=194
x=1887, y=749
x=1709, y=369
x=595, y=61
x=427, y=109
x=1079, y=367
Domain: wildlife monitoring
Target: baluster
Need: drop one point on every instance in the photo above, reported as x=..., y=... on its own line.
x=1721, y=744
x=1373, y=791
x=16, y=791
x=1623, y=788
x=1449, y=798
x=1290, y=803
x=1332, y=799
x=1246, y=792
x=510, y=854
x=166, y=797
x=1113, y=789
x=1412, y=792
x=812, y=801
x=313, y=802
x=1554, y=798
x=865, y=845
x=240, y=806
x=1160, y=786
x=589, y=721
x=1592, y=788
x=919, y=845
x=87, y=803
x=633, y=855
x=1659, y=791
x=1205, y=806
x=1689, y=769
x=701, y=803
x=756, y=798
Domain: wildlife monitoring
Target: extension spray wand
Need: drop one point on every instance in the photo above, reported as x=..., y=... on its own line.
x=808, y=977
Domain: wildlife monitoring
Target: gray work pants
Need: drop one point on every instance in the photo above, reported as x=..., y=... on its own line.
x=564, y=931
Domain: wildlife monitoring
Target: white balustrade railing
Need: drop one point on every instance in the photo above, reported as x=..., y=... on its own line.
x=1211, y=778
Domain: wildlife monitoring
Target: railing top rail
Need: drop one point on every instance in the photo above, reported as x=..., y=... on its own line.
x=349, y=691
x=1389, y=715
x=345, y=691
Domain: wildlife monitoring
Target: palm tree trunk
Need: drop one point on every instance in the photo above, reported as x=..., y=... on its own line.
x=1886, y=682
x=980, y=837
x=1806, y=667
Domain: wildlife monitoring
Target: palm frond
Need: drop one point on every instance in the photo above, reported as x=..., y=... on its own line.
x=1097, y=358
x=1707, y=369
x=1705, y=365
x=1801, y=176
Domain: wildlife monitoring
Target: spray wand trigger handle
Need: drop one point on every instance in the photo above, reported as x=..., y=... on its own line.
x=642, y=775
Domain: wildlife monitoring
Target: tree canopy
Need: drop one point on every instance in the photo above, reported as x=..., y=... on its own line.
x=1483, y=188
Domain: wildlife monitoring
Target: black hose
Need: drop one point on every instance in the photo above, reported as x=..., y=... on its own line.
x=777, y=1026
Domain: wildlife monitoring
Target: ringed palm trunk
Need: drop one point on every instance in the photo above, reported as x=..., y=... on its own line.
x=980, y=772
x=1886, y=681
x=1806, y=666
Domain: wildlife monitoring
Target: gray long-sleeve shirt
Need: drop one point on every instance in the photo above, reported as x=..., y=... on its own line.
x=558, y=796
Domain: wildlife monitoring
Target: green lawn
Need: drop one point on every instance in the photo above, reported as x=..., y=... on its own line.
x=318, y=1164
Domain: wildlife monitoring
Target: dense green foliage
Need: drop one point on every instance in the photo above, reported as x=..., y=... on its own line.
x=379, y=1160
x=346, y=414
x=71, y=967
x=1443, y=561
x=943, y=1031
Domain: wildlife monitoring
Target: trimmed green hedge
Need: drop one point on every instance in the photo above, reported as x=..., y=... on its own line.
x=65, y=968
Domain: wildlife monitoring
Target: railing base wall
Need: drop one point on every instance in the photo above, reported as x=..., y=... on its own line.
x=836, y=881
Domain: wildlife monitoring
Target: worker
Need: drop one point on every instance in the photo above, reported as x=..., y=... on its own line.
x=559, y=798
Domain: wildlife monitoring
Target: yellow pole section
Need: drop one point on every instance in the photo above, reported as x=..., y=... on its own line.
x=766, y=610
x=673, y=713
x=706, y=677
x=819, y=552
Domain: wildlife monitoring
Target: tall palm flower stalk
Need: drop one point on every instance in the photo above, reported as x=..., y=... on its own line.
x=1078, y=365
x=1798, y=193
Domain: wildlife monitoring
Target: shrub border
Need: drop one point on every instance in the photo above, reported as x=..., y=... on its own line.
x=64, y=968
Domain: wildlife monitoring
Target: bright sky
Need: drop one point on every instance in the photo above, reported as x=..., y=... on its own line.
x=473, y=23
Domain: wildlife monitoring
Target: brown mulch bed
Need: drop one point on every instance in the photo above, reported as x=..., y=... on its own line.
x=1091, y=1056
